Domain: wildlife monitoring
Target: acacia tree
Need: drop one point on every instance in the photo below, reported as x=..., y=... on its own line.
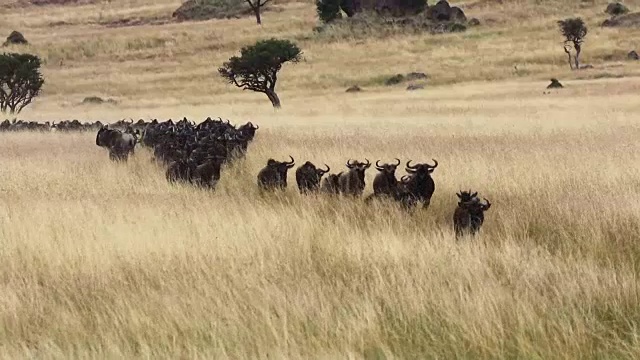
x=256, y=6
x=574, y=30
x=20, y=81
x=257, y=66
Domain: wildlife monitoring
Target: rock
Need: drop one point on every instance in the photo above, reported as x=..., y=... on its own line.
x=474, y=22
x=616, y=9
x=441, y=11
x=96, y=100
x=456, y=14
x=631, y=20
x=412, y=87
x=212, y=9
x=394, y=80
x=354, y=88
x=15, y=38
x=633, y=55
x=416, y=76
x=555, y=84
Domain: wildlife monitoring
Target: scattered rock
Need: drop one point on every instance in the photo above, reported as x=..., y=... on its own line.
x=628, y=20
x=633, y=55
x=555, y=84
x=354, y=88
x=96, y=100
x=394, y=80
x=456, y=14
x=416, y=76
x=213, y=9
x=15, y=38
x=474, y=22
x=616, y=9
x=586, y=66
x=441, y=11
x=412, y=87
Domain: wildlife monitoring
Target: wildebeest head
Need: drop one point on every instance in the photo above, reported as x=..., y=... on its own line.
x=422, y=170
x=308, y=176
x=466, y=197
x=385, y=182
x=358, y=167
x=388, y=168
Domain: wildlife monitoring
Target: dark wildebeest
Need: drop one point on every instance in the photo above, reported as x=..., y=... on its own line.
x=331, y=184
x=385, y=182
x=119, y=144
x=274, y=175
x=418, y=185
x=207, y=174
x=352, y=182
x=469, y=215
x=308, y=177
x=180, y=171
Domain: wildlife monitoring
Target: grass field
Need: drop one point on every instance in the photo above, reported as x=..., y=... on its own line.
x=107, y=260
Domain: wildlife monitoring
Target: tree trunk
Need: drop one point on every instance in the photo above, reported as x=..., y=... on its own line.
x=256, y=9
x=275, y=100
x=568, y=55
x=577, y=47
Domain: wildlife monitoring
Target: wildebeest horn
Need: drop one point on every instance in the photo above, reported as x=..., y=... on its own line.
x=290, y=162
x=474, y=194
x=433, y=166
x=349, y=163
x=256, y=126
x=368, y=162
x=326, y=171
x=398, y=161
x=405, y=178
x=378, y=166
x=409, y=166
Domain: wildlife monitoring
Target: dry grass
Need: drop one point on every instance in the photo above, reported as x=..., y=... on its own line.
x=108, y=260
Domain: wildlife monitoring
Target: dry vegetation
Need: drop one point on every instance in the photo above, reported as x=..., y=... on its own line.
x=107, y=260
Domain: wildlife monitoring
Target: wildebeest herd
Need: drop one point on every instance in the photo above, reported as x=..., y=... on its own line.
x=195, y=154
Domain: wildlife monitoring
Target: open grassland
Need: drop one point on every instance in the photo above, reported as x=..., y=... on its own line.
x=107, y=260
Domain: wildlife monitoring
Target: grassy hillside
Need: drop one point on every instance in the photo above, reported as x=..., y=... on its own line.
x=107, y=260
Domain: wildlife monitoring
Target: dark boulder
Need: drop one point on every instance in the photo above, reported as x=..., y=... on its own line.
x=616, y=9
x=631, y=20
x=353, y=89
x=555, y=84
x=633, y=55
x=457, y=15
x=15, y=38
x=441, y=11
x=394, y=80
x=416, y=76
x=412, y=87
x=473, y=22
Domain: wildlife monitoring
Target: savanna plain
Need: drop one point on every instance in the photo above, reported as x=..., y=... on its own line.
x=109, y=260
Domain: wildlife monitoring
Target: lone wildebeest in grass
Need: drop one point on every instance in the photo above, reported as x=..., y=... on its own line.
x=418, y=186
x=468, y=217
x=120, y=144
x=274, y=175
x=308, y=177
x=331, y=184
x=352, y=182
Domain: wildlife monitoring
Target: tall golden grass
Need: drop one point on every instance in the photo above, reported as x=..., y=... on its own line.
x=107, y=260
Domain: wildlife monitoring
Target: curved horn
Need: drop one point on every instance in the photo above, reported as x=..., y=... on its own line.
x=256, y=127
x=349, y=163
x=368, y=163
x=487, y=204
x=290, y=162
x=405, y=178
x=411, y=167
x=474, y=194
x=433, y=166
x=398, y=161
x=378, y=166
x=328, y=169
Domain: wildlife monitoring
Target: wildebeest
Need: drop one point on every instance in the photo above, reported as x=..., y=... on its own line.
x=352, y=182
x=468, y=217
x=331, y=184
x=274, y=175
x=207, y=174
x=385, y=182
x=308, y=177
x=119, y=144
x=418, y=186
